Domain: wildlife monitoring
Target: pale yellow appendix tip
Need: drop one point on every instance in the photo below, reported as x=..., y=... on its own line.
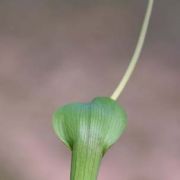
x=136, y=54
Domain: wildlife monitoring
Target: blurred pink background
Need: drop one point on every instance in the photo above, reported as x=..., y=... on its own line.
x=56, y=52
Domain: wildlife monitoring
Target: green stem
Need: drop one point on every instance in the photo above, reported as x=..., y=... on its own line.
x=136, y=54
x=85, y=162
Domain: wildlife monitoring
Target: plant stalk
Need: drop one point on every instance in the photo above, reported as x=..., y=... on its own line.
x=85, y=162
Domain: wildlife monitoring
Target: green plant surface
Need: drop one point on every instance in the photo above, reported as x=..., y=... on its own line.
x=89, y=129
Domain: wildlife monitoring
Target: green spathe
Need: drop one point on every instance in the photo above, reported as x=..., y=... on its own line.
x=89, y=129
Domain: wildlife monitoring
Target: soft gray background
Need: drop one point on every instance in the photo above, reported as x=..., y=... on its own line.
x=54, y=52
